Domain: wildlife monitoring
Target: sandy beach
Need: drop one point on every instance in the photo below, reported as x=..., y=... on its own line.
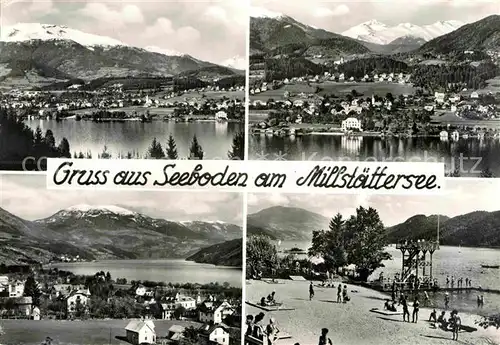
x=352, y=323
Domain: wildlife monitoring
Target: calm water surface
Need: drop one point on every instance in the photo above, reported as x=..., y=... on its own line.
x=453, y=261
x=470, y=155
x=215, y=138
x=166, y=270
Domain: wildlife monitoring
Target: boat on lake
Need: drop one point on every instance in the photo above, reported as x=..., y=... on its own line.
x=490, y=266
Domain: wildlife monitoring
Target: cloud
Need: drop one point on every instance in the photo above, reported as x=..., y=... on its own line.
x=128, y=14
x=217, y=13
x=163, y=28
x=339, y=10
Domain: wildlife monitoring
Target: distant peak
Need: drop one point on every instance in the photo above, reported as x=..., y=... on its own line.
x=259, y=12
x=22, y=32
x=99, y=208
x=373, y=22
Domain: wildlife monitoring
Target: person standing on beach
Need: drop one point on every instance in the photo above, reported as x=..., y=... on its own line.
x=466, y=282
x=452, y=282
x=339, y=294
x=404, y=303
x=416, y=305
x=446, y=300
x=311, y=291
x=457, y=324
x=447, y=281
x=323, y=339
x=482, y=301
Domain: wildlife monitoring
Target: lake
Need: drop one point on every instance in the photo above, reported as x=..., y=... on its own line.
x=166, y=270
x=460, y=262
x=454, y=154
x=215, y=138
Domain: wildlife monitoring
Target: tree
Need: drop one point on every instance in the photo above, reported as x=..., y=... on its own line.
x=365, y=240
x=238, y=148
x=64, y=149
x=155, y=151
x=195, y=151
x=171, y=148
x=32, y=290
x=179, y=312
x=261, y=254
x=329, y=244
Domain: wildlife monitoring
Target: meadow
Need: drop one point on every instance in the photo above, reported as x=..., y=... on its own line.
x=338, y=89
x=89, y=332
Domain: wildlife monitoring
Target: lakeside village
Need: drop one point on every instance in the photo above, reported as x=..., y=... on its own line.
x=442, y=101
x=116, y=104
x=203, y=314
x=340, y=261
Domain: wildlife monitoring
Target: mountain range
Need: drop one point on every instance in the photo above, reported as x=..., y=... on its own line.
x=474, y=229
x=274, y=35
x=99, y=232
x=374, y=31
x=34, y=52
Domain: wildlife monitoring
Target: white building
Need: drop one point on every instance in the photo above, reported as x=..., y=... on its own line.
x=350, y=124
x=141, y=291
x=221, y=116
x=214, y=334
x=35, y=314
x=16, y=289
x=78, y=298
x=214, y=312
x=141, y=332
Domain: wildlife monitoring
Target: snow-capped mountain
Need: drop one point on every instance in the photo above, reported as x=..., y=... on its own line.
x=168, y=52
x=259, y=12
x=43, y=53
x=374, y=31
x=236, y=62
x=36, y=31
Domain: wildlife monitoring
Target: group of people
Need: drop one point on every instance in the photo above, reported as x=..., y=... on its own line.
x=256, y=329
x=406, y=312
x=342, y=295
x=269, y=301
x=459, y=281
x=453, y=322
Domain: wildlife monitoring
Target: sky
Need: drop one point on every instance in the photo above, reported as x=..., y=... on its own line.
x=461, y=196
x=26, y=196
x=214, y=31
x=338, y=16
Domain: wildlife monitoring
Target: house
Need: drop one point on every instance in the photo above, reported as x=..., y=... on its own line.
x=35, y=314
x=221, y=116
x=141, y=332
x=140, y=291
x=351, y=123
x=21, y=305
x=474, y=95
x=78, y=301
x=16, y=289
x=214, y=334
x=439, y=96
x=167, y=311
x=214, y=312
x=176, y=332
